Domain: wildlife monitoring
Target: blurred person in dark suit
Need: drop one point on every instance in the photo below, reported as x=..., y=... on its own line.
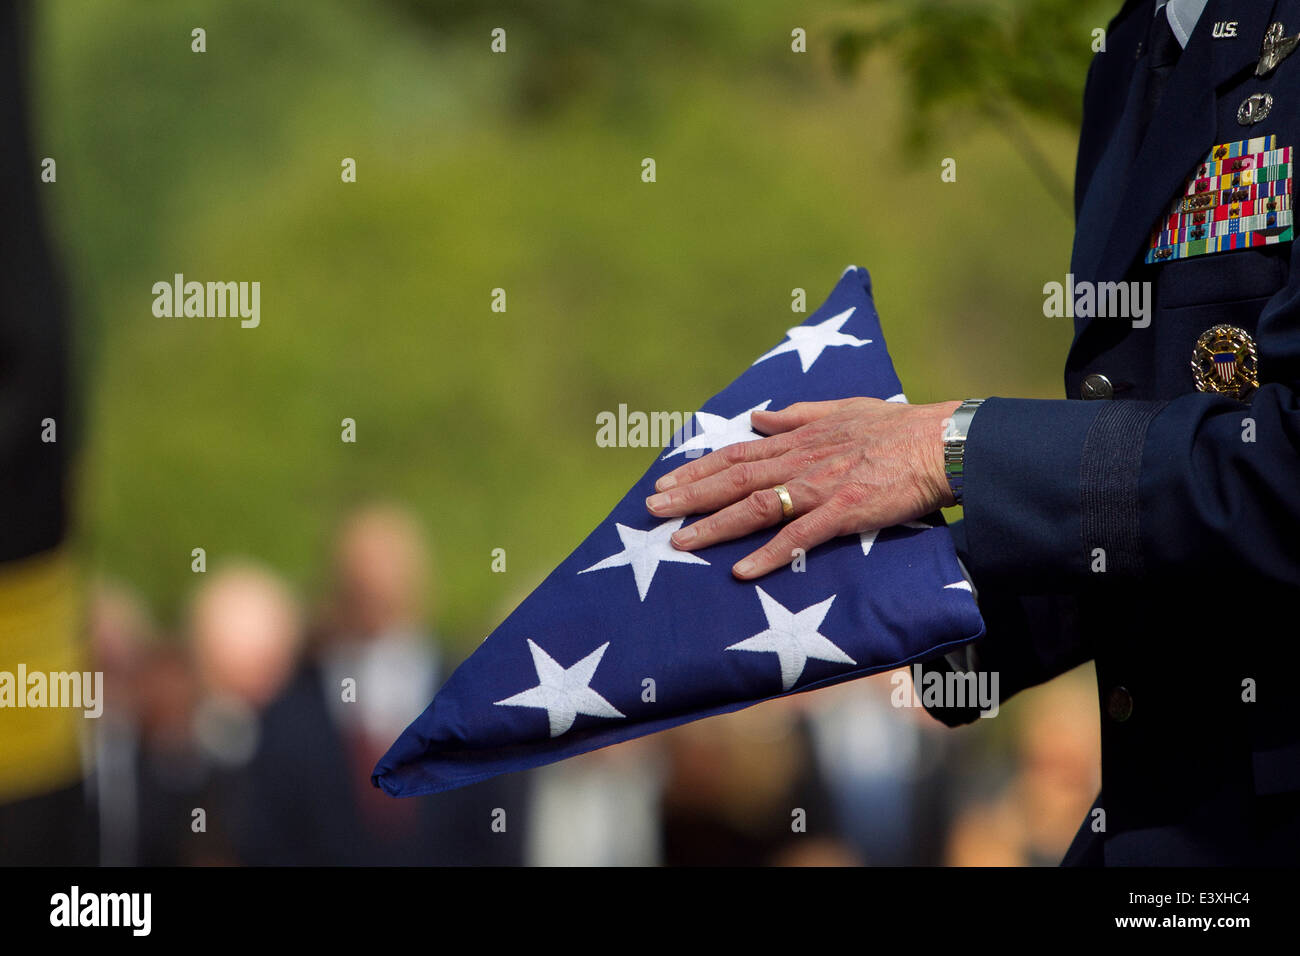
x=122, y=635
x=169, y=771
x=886, y=768
x=744, y=789
x=373, y=669
x=1031, y=820
x=200, y=710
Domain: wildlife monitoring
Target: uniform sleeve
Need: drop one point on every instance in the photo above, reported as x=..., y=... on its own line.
x=1028, y=639
x=1063, y=494
x=1066, y=496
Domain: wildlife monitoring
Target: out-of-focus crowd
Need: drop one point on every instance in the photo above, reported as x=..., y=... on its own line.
x=247, y=736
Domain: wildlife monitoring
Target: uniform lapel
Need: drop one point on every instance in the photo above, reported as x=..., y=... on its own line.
x=1181, y=131
x=1100, y=202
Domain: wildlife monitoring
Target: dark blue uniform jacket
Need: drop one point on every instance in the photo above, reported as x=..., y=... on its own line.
x=1193, y=622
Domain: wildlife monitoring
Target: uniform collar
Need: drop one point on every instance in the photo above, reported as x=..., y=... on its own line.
x=1182, y=15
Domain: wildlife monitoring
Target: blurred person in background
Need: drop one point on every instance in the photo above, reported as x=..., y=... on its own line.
x=1033, y=818
x=744, y=789
x=122, y=636
x=169, y=771
x=200, y=706
x=373, y=668
x=886, y=769
x=245, y=632
x=598, y=809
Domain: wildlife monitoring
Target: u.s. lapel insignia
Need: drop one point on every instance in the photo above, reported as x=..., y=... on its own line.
x=1226, y=361
x=1277, y=47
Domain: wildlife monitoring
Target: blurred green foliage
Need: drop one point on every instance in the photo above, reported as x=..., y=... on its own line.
x=519, y=171
x=1002, y=62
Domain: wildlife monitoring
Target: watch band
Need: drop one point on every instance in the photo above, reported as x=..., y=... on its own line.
x=954, y=445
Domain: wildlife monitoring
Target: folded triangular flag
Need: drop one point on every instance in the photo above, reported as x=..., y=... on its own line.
x=630, y=636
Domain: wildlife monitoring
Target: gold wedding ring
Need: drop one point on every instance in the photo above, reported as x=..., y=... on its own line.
x=787, y=506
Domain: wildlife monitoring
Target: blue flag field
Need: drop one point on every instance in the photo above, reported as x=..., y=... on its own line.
x=629, y=636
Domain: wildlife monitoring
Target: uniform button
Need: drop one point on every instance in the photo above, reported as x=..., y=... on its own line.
x=1096, y=386
x=1119, y=705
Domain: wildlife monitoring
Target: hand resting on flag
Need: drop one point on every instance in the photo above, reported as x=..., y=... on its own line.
x=850, y=466
x=631, y=635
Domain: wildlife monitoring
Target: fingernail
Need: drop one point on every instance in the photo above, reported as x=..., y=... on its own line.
x=743, y=567
x=684, y=535
x=666, y=482
x=657, y=502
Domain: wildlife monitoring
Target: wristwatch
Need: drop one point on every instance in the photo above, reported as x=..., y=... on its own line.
x=954, y=444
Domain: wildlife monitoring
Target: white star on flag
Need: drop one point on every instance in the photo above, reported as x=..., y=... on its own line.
x=717, y=432
x=793, y=638
x=644, y=550
x=810, y=340
x=563, y=692
x=868, y=538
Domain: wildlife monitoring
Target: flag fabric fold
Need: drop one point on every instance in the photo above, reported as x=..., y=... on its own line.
x=629, y=636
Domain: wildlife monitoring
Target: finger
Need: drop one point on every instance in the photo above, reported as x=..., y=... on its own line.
x=760, y=509
x=722, y=489
x=716, y=461
x=802, y=534
x=795, y=416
